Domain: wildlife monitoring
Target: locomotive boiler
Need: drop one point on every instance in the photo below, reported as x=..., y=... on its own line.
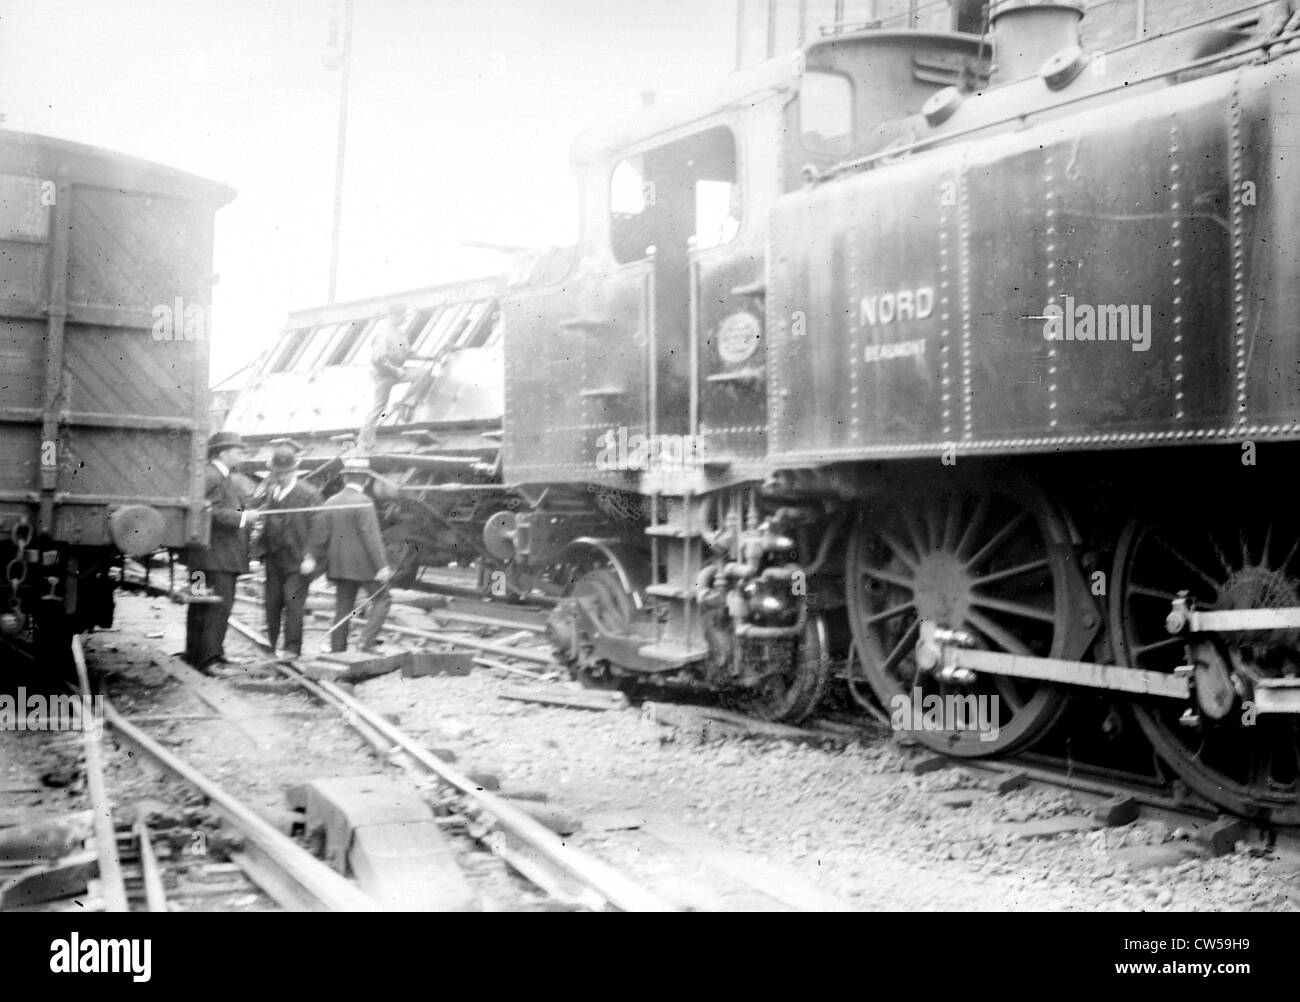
x=105, y=286
x=983, y=346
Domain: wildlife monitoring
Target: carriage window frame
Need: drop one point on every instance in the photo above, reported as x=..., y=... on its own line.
x=310, y=357
x=289, y=348
x=342, y=351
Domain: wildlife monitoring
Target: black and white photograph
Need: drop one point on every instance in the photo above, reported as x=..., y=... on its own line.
x=783, y=456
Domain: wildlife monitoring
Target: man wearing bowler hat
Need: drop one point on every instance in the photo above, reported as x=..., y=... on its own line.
x=213, y=568
x=284, y=543
x=347, y=543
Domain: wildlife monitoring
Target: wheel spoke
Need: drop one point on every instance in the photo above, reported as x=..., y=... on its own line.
x=903, y=647
x=953, y=527
x=1146, y=591
x=1214, y=583
x=890, y=577
x=900, y=551
x=973, y=526
x=897, y=610
x=1012, y=572
x=914, y=530
x=1154, y=646
x=934, y=523
x=995, y=544
x=1020, y=609
x=1290, y=554
x=1004, y=638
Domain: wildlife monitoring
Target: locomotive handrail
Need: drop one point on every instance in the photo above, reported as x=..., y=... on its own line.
x=1228, y=61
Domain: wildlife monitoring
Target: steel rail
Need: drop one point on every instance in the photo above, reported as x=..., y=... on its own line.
x=321, y=887
x=614, y=887
x=155, y=895
x=110, y=864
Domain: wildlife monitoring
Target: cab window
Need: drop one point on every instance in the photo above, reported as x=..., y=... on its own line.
x=826, y=113
x=680, y=191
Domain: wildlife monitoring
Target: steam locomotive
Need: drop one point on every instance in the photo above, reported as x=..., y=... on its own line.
x=973, y=357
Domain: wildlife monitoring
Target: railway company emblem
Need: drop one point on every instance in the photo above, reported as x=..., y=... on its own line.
x=738, y=337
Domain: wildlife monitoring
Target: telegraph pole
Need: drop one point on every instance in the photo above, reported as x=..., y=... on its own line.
x=339, y=56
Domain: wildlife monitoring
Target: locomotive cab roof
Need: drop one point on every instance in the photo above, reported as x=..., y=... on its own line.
x=888, y=72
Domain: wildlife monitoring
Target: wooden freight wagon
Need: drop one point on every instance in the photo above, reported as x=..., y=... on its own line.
x=105, y=290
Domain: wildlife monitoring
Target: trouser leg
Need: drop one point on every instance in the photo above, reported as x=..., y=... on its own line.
x=295, y=601
x=222, y=584
x=383, y=389
x=376, y=612
x=345, y=600
x=275, y=586
x=195, y=624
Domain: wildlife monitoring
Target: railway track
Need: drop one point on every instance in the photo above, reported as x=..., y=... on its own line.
x=567, y=876
x=1106, y=791
x=476, y=625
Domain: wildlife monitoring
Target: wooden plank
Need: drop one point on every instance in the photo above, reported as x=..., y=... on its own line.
x=675, y=714
x=574, y=700
x=1016, y=831
x=512, y=669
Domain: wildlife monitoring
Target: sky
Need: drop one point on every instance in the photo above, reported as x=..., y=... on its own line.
x=461, y=114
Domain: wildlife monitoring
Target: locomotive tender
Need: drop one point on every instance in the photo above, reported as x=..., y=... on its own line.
x=984, y=346
x=105, y=286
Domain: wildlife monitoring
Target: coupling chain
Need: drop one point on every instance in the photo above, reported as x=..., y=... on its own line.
x=16, y=571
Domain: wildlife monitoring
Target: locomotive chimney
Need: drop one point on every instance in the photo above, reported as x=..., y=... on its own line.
x=1027, y=32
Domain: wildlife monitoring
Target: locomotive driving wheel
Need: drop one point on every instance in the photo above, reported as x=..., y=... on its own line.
x=1248, y=764
x=982, y=560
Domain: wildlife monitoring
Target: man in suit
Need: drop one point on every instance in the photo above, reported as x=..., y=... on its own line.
x=214, y=568
x=347, y=543
x=284, y=543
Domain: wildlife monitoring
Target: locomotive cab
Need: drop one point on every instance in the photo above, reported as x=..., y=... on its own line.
x=659, y=337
